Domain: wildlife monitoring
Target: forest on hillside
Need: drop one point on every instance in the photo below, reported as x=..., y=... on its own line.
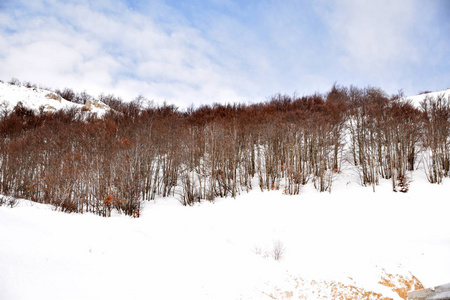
x=136, y=153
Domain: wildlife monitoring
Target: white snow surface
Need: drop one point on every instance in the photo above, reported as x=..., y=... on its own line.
x=36, y=99
x=417, y=99
x=223, y=250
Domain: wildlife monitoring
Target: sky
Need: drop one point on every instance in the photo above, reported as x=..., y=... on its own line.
x=199, y=52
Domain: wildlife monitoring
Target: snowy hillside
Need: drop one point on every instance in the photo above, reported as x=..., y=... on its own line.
x=290, y=215
x=419, y=98
x=349, y=243
x=38, y=99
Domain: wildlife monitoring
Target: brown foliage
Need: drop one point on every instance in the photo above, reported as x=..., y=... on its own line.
x=86, y=164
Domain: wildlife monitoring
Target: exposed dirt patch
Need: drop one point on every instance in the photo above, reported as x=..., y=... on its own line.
x=54, y=97
x=298, y=288
x=304, y=289
x=400, y=284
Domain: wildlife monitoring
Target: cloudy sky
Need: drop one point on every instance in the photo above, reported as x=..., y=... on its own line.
x=199, y=52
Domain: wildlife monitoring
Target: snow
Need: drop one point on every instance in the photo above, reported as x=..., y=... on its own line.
x=223, y=250
x=417, y=99
x=36, y=99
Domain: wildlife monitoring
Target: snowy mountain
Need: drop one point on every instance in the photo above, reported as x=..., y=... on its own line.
x=38, y=99
x=417, y=99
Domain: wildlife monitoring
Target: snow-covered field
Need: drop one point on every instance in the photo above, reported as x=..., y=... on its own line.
x=225, y=250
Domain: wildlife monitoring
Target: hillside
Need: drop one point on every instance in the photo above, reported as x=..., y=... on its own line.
x=351, y=243
x=38, y=99
x=416, y=99
x=334, y=196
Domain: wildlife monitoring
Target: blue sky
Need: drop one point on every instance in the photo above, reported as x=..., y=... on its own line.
x=200, y=52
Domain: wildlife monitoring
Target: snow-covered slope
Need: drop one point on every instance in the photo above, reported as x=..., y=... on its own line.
x=415, y=100
x=348, y=244
x=39, y=99
x=351, y=243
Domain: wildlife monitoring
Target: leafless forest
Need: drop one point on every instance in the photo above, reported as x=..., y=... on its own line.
x=136, y=153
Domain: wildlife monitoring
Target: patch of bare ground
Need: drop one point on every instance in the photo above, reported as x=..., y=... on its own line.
x=321, y=289
x=324, y=290
x=400, y=284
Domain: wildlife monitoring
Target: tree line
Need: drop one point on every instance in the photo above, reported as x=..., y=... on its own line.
x=136, y=152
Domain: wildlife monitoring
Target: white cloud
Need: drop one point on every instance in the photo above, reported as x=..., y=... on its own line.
x=373, y=35
x=224, y=51
x=122, y=51
x=158, y=52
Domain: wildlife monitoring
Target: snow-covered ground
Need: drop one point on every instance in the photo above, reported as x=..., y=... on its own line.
x=342, y=242
x=224, y=250
x=415, y=100
x=38, y=99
